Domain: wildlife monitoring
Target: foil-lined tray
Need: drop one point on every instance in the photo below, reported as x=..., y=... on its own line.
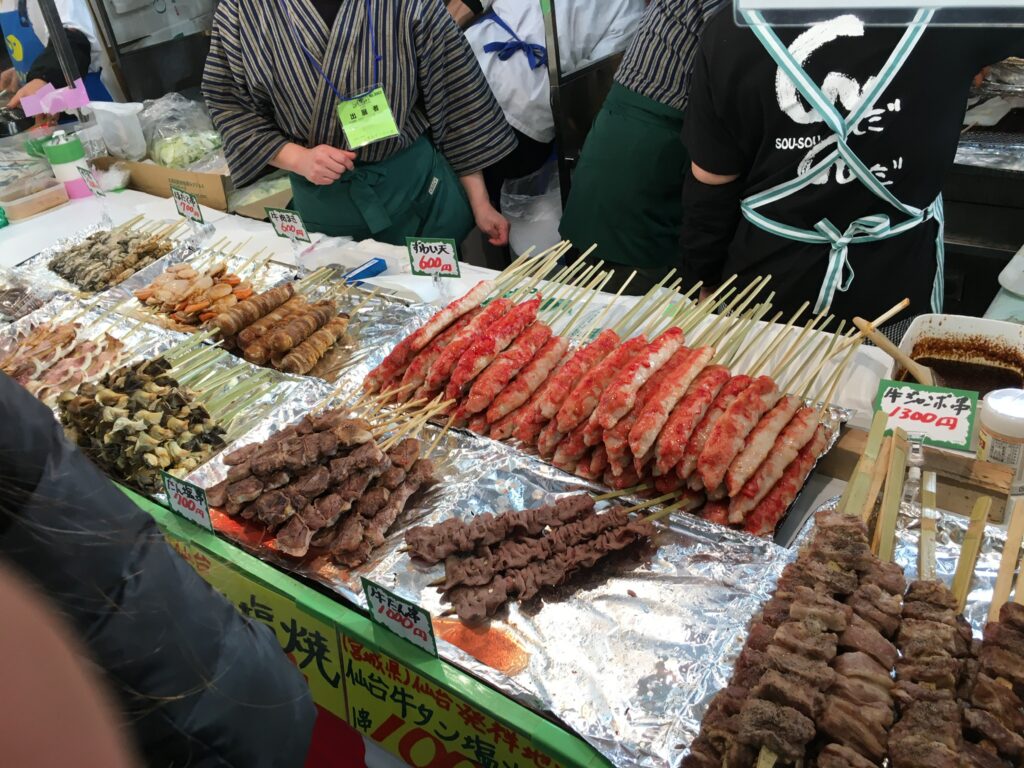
x=627, y=656
x=35, y=269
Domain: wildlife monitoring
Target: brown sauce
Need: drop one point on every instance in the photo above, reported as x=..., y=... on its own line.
x=972, y=376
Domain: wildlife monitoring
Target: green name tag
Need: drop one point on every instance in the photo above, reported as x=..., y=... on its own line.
x=366, y=119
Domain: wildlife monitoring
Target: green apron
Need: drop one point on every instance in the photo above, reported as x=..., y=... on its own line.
x=413, y=193
x=627, y=187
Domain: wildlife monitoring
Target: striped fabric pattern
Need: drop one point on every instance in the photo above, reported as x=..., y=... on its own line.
x=263, y=92
x=658, y=62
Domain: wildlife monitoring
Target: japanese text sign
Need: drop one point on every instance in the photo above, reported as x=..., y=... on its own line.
x=366, y=119
x=187, y=205
x=399, y=616
x=187, y=500
x=944, y=416
x=288, y=224
x=90, y=181
x=429, y=256
x=424, y=724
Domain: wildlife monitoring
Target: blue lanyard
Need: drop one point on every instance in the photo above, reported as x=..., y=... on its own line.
x=316, y=64
x=536, y=54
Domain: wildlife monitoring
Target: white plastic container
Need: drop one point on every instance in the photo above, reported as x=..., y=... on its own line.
x=966, y=332
x=1001, y=433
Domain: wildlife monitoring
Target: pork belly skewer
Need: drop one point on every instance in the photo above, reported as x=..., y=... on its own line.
x=499, y=373
x=730, y=431
x=580, y=407
x=659, y=406
x=543, y=375
x=767, y=512
x=671, y=442
x=758, y=444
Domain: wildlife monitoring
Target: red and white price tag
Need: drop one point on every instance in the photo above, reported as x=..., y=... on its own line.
x=943, y=416
x=187, y=205
x=187, y=500
x=288, y=224
x=400, y=616
x=430, y=256
x=90, y=181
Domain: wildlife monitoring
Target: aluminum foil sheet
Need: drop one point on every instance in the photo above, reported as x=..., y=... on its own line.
x=35, y=270
x=627, y=656
x=949, y=537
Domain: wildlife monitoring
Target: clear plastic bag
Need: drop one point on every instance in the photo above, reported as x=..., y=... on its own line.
x=533, y=207
x=18, y=297
x=178, y=131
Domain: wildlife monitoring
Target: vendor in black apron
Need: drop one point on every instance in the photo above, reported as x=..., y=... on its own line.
x=819, y=153
x=376, y=108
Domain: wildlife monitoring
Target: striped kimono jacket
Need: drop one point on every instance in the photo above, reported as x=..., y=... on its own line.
x=264, y=92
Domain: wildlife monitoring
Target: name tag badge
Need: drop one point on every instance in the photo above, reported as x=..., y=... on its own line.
x=367, y=118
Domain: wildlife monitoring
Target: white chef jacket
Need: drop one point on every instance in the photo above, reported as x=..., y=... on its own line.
x=591, y=30
x=75, y=15
x=524, y=94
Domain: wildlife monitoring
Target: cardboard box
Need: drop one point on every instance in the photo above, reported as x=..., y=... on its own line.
x=258, y=209
x=210, y=188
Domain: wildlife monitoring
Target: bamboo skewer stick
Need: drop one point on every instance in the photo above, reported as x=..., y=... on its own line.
x=440, y=436
x=660, y=314
x=1008, y=560
x=667, y=511
x=929, y=512
x=582, y=285
x=889, y=314
x=604, y=277
x=623, y=492
x=833, y=383
x=567, y=281
x=649, y=310
x=427, y=413
x=855, y=496
x=719, y=327
x=653, y=502
x=969, y=551
x=598, y=321
x=737, y=348
x=882, y=543
x=774, y=343
x=738, y=329
x=821, y=350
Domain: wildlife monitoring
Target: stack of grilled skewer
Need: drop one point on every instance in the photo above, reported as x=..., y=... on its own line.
x=650, y=403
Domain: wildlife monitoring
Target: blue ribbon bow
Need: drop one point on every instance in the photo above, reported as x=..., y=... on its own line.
x=536, y=54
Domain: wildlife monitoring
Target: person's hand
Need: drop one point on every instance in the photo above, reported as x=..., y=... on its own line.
x=325, y=164
x=493, y=225
x=9, y=80
x=461, y=13
x=26, y=90
x=980, y=77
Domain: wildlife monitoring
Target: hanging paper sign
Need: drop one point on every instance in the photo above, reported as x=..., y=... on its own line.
x=187, y=500
x=90, y=181
x=400, y=616
x=429, y=256
x=288, y=224
x=187, y=205
x=942, y=415
x=366, y=119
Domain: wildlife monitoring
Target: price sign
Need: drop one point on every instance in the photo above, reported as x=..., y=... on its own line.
x=187, y=205
x=399, y=616
x=187, y=500
x=430, y=256
x=366, y=119
x=944, y=416
x=288, y=224
x=90, y=181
